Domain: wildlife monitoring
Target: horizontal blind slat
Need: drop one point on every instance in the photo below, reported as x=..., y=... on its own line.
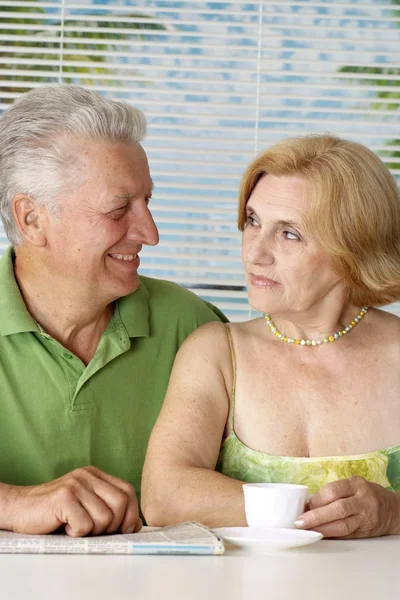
x=210, y=11
x=193, y=70
x=165, y=20
x=191, y=44
x=206, y=34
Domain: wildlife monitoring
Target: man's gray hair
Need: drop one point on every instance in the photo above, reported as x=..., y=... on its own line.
x=37, y=135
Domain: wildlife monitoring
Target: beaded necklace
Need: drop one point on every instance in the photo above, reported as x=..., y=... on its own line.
x=327, y=340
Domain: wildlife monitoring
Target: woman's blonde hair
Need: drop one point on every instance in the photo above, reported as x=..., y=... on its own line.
x=353, y=209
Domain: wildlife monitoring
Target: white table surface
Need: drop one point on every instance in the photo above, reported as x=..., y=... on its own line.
x=327, y=570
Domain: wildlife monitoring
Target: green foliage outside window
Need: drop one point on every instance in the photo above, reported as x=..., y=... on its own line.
x=104, y=39
x=393, y=94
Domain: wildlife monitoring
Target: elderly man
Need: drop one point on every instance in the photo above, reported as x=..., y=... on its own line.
x=86, y=345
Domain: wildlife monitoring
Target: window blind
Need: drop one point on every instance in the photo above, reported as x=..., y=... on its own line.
x=218, y=81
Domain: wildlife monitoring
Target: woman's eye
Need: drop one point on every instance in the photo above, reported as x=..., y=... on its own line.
x=250, y=220
x=289, y=235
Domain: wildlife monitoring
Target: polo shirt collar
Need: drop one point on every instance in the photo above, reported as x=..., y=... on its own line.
x=14, y=316
x=134, y=311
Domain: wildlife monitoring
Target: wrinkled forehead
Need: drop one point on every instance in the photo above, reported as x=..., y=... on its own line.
x=285, y=194
x=107, y=157
x=106, y=173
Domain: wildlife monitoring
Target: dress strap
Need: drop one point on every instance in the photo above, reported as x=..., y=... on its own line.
x=228, y=329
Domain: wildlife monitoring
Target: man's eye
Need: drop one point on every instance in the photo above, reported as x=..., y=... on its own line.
x=118, y=212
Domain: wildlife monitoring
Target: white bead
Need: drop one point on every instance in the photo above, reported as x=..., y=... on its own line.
x=313, y=343
x=319, y=342
x=273, y=329
x=303, y=342
x=336, y=336
x=347, y=329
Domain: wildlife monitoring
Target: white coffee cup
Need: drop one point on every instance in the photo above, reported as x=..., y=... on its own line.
x=274, y=504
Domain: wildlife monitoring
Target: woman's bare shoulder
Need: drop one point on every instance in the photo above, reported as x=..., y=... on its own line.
x=248, y=329
x=386, y=319
x=384, y=327
x=212, y=339
x=208, y=338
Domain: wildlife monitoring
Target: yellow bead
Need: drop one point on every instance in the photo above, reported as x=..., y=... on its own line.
x=353, y=323
x=277, y=333
x=267, y=318
x=297, y=341
x=285, y=339
x=331, y=338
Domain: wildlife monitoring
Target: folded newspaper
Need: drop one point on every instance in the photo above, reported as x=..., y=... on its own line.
x=184, y=538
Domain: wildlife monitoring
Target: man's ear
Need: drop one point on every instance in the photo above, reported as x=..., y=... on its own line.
x=30, y=219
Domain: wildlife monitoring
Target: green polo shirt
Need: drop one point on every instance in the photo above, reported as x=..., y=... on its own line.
x=56, y=414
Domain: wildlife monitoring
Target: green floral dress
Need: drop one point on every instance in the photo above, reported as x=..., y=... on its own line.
x=241, y=462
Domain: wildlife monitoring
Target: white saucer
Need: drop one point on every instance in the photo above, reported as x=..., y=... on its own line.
x=268, y=537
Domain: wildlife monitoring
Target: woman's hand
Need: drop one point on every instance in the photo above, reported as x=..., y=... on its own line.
x=352, y=508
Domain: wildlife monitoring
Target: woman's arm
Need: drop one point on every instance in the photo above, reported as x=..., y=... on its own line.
x=179, y=482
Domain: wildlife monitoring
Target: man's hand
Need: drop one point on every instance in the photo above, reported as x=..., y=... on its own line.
x=86, y=501
x=353, y=508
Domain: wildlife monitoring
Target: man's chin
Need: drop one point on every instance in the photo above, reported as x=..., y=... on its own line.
x=124, y=288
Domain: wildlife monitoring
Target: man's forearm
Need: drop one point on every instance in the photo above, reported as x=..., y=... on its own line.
x=194, y=494
x=7, y=498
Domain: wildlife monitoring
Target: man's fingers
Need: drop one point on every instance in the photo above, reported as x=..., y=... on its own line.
x=98, y=474
x=98, y=508
x=118, y=495
x=117, y=501
x=138, y=526
x=131, y=522
x=77, y=520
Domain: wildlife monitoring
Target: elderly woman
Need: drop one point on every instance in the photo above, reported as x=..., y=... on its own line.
x=308, y=393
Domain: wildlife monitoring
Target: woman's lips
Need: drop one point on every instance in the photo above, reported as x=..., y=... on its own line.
x=262, y=282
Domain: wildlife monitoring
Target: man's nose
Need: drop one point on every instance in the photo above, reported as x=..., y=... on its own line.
x=142, y=227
